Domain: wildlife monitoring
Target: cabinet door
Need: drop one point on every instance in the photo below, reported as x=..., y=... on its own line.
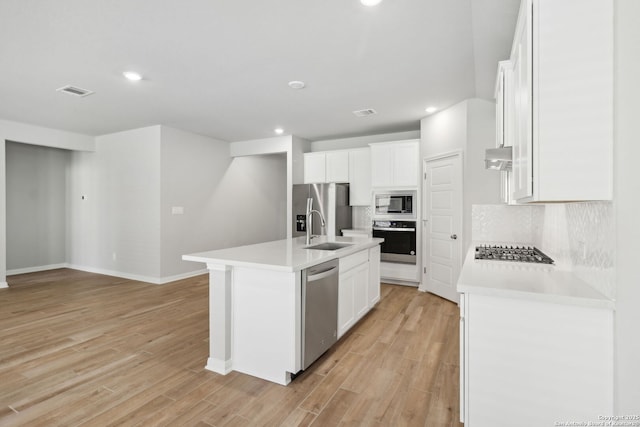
x=360, y=290
x=337, y=166
x=314, y=168
x=360, y=177
x=500, y=108
x=346, y=314
x=405, y=164
x=522, y=143
x=374, y=276
x=381, y=165
x=521, y=369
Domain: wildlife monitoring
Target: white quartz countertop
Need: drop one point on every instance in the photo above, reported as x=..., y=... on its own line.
x=287, y=255
x=530, y=281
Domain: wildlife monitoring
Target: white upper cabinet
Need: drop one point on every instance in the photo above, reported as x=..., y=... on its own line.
x=562, y=98
x=314, y=168
x=504, y=122
x=395, y=164
x=337, y=166
x=326, y=166
x=360, y=177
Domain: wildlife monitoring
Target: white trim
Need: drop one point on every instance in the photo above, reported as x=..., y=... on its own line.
x=218, y=366
x=137, y=277
x=442, y=156
x=211, y=266
x=4, y=285
x=36, y=269
x=169, y=279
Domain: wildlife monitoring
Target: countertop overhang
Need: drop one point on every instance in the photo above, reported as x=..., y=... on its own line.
x=287, y=255
x=530, y=281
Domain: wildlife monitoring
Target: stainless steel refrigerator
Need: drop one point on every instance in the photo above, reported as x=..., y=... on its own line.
x=332, y=200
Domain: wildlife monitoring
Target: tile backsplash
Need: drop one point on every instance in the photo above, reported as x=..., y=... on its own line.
x=502, y=223
x=578, y=236
x=361, y=217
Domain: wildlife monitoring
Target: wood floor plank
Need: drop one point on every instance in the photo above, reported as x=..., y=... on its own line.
x=91, y=350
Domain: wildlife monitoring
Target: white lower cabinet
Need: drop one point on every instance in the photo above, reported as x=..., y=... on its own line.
x=527, y=362
x=357, y=290
x=374, y=276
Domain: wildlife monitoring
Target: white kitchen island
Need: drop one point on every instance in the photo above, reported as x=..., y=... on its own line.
x=255, y=301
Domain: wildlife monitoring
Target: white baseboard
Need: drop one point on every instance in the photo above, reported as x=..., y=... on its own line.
x=393, y=281
x=137, y=277
x=218, y=366
x=182, y=276
x=36, y=269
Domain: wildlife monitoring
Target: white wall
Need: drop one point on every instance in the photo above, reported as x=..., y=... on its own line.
x=116, y=228
x=468, y=126
x=480, y=185
x=36, y=206
x=293, y=148
x=444, y=132
x=227, y=202
x=192, y=167
x=47, y=137
x=362, y=141
x=627, y=205
x=29, y=134
x=3, y=228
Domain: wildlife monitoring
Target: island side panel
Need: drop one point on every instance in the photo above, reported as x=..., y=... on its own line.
x=266, y=323
x=219, y=319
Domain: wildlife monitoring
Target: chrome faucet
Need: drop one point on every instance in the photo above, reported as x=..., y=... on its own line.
x=310, y=212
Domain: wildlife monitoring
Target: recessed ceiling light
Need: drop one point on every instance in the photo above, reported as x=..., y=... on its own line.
x=370, y=2
x=279, y=131
x=430, y=110
x=296, y=84
x=132, y=75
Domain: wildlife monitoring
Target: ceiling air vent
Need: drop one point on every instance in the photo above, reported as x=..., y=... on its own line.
x=75, y=91
x=365, y=112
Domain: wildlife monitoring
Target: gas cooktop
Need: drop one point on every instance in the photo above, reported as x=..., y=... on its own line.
x=512, y=253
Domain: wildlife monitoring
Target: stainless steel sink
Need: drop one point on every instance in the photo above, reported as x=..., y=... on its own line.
x=329, y=246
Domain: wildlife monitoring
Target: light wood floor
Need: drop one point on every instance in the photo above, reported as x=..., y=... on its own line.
x=84, y=349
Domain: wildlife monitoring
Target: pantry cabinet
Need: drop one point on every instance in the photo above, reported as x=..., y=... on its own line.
x=562, y=59
x=395, y=164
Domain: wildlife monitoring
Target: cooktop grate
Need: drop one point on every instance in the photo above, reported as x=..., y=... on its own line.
x=512, y=253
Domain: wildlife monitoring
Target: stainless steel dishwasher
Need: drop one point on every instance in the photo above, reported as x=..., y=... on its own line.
x=319, y=310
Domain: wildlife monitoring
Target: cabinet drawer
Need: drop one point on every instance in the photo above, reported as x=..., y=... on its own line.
x=351, y=261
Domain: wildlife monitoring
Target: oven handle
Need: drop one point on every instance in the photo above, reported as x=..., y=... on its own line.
x=394, y=229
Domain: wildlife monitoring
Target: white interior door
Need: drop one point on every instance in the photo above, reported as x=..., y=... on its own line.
x=442, y=225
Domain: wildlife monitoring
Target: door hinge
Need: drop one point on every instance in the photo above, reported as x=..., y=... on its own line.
x=424, y=270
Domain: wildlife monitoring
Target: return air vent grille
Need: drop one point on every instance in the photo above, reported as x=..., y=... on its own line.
x=75, y=91
x=365, y=112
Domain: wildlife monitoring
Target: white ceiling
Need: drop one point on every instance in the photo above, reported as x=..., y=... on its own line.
x=220, y=67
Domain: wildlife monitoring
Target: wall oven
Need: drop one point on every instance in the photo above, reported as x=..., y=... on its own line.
x=399, y=240
x=395, y=204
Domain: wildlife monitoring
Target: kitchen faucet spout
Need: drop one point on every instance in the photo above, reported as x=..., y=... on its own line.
x=310, y=212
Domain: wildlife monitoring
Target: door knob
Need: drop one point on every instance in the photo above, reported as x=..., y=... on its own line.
x=454, y=236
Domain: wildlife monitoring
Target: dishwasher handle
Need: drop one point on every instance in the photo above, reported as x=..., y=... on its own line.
x=321, y=275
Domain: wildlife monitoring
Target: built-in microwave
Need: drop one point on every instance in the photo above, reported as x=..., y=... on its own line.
x=394, y=204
